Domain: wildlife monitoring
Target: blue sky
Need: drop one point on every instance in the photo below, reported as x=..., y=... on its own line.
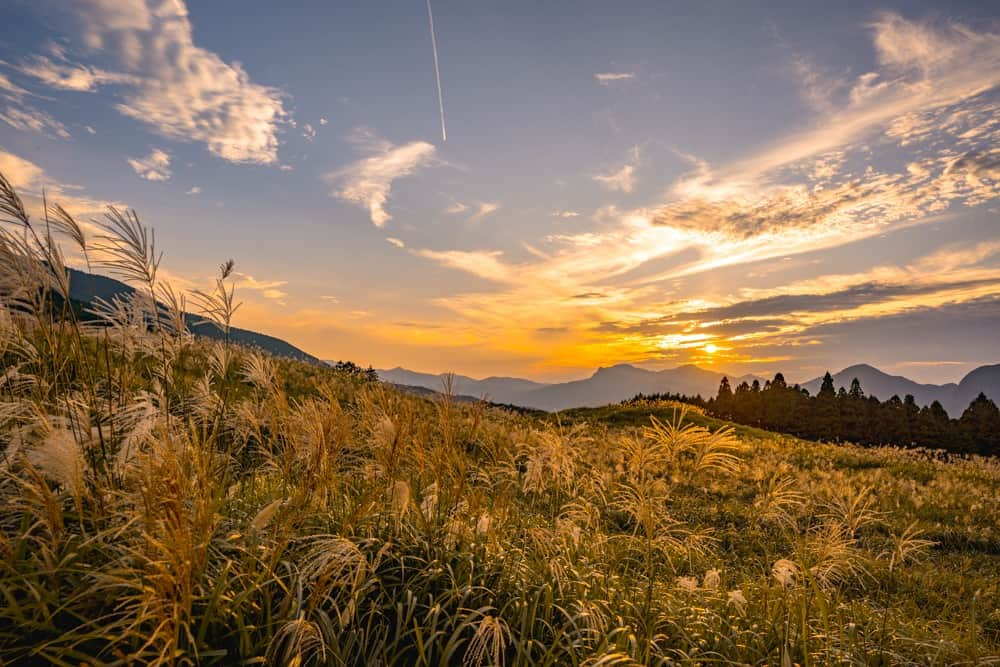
x=747, y=186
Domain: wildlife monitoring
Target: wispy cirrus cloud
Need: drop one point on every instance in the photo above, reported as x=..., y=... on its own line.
x=368, y=182
x=607, y=78
x=623, y=178
x=484, y=209
x=269, y=289
x=485, y=264
x=29, y=179
x=178, y=89
x=29, y=119
x=72, y=76
x=153, y=167
x=22, y=115
x=10, y=89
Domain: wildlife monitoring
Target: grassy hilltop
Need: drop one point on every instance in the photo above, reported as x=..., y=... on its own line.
x=181, y=500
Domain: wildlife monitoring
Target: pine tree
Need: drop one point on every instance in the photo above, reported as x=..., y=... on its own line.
x=824, y=420
x=980, y=424
x=827, y=389
x=934, y=429
x=855, y=391
x=724, y=401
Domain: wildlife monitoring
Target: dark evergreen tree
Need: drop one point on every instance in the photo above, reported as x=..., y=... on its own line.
x=827, y=389
x=851, y=416
x=824, y=418
x=980, y=426
x=724, y=400
x=934, y=429
x=855, y=391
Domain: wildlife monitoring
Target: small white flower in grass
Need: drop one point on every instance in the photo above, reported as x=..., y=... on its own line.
x=264, y=516
x=400, y=497
x=712, y=580
x=429, y=504
x=785, y=572
x=737, y=600
x=59, y=457
x=386, y=431
x=483, y=525
x=689, y=584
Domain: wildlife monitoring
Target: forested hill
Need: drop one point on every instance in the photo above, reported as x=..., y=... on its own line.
x=849, y=415
x=85, y=288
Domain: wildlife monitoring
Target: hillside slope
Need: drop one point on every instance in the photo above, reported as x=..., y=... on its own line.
x=86, y=287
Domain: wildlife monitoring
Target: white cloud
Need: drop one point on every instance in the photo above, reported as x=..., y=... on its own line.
x=269, y=289
x=903, y=43
x=483, y=263
x=28, y=119
x=153, y=167
x=457, y=207
x=69, y=76
x=194, y=190
x=368, y=182
x=22, y=116
x=21, y=173
x=323, y=121
x=565, y=214
x=607, y=78
x=11, y=89
x=30, y=180
x=396, y=242
x=180, y=90
x=308, y=131
x=485, y=208
x=622, y=179
x=924, y=67
x=818, y=88
x=90, y=130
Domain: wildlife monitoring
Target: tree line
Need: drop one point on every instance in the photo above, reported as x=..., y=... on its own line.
x=848, y=415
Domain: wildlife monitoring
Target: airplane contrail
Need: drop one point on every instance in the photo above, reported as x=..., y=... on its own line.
x=437, y=71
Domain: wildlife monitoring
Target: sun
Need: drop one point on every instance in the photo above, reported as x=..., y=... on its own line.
x=710, y=349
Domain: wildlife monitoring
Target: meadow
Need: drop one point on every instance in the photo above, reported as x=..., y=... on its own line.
x=172, y=499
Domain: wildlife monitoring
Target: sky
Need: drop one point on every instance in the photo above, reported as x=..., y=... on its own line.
x=750, y=187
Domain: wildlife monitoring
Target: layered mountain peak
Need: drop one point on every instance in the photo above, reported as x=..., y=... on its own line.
x=611, y=384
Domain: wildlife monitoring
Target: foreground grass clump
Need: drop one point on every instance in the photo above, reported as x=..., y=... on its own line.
x=169, y=499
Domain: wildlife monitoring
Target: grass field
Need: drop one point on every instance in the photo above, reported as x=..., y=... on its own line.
x=182, y=501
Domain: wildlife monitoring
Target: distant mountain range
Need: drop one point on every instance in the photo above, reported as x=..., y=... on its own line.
x=86, y=287
x=606, y=385
x=617, y=383
x=954, y=397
